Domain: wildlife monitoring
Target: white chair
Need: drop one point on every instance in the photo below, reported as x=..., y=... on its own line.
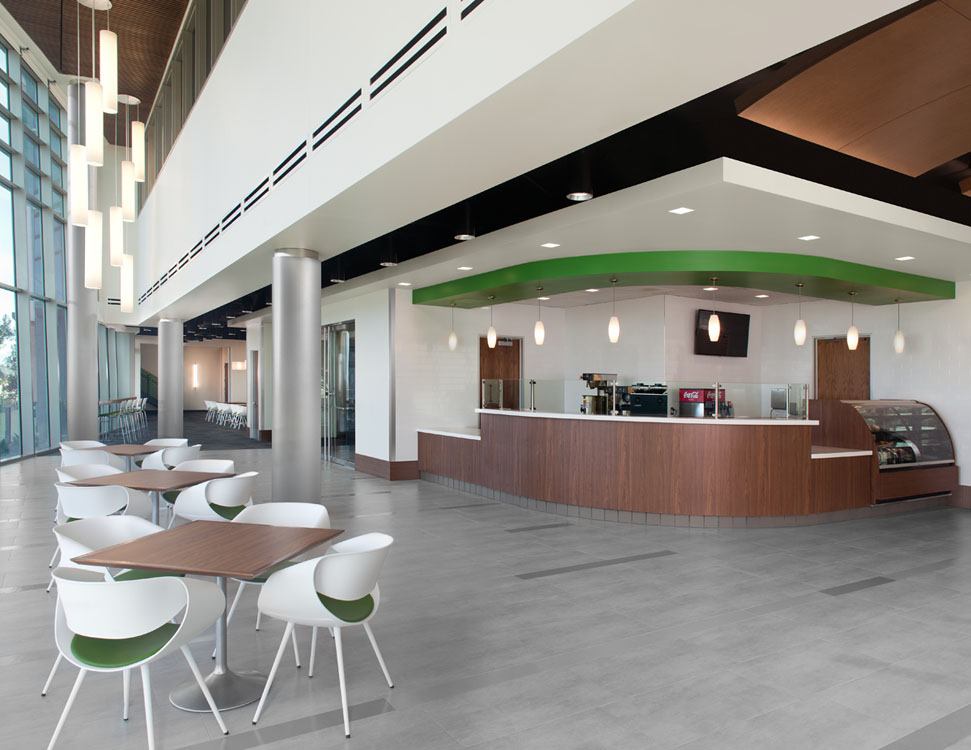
x=161, y=443
x=73, y=458
x=76, y=445
x=115, y=626
x=336, y=591
x=304, y=515
x=221, y=465
x=215, y=500
x=168, y=457
x=89, y=534
x=84, y=471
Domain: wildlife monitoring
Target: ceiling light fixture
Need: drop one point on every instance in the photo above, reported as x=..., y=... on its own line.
x=337, y=281
x=467, y=231
x=127, y=166
x=464, y=237
x=109, y=66
x=387, y=264
x=550, y=244
x=491, y=336
x=464, y=268
x=539, y=330
x=579, y=196
x=404, y=283
x=761, y=296
x=898, y=337
x=93, y=96
x=681, y=210
x=808, y=237
x=453, y=339
x=710, y=289
x=544, y=298
x=905, y=257
x=592, y=290
x=852, y=333
x=613, y=327
x=714, y=324
x=799, y=331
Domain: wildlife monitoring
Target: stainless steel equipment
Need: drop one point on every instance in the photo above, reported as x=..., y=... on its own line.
x=605, y=399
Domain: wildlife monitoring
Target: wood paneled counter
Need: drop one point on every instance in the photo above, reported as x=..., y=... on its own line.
x=655, y=465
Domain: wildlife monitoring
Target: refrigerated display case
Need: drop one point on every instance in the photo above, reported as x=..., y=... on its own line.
x=906, y=434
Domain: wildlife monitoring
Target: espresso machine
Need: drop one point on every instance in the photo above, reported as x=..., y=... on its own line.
x=606, y=392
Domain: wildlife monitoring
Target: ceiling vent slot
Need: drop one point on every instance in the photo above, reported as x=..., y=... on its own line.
x=258, y=192
x=229, y=218
x=195, y=250
x=468, y=6
x=390, y=71
x=114, y=301
x=286, y=166
x=211, y=235
x=327, y=123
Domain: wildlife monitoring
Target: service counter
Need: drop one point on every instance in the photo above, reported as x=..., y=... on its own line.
x=668, y=470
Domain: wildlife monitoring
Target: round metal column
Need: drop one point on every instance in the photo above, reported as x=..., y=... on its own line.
x=171, y=378
x=296, y=375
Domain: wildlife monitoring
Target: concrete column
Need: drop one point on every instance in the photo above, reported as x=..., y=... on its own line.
x=296, y=375
x=171, y=378
x=82, y=307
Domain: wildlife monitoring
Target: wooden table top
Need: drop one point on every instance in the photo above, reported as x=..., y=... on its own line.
x=152, y=480
x=212, y=548
x=126, y=449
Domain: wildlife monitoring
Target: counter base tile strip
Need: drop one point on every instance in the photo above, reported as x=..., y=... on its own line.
x=707, y=522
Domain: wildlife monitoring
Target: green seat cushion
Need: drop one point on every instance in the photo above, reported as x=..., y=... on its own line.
x=354, y=611
x=71, y=519
x=271, y=571
x=229, y=512
x=108, y=653
x=170, y=496
x=138, y=463
x=139, y=574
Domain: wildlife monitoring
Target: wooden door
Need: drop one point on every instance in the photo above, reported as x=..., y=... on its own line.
x=840, y=373
x=226, y=393
x=501, y=363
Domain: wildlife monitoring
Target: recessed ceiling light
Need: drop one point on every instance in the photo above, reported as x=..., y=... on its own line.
x=387, y=264
x=465, y=268
x=593, y=290
x=580, y=195
x=464, y=237
x=711, y=289
x=682, y=210
x=761, y=296
x=543, y=298
x=404, y=283
x=808, y=237
x=905, y=257
x=337, y=281
x=550, y=244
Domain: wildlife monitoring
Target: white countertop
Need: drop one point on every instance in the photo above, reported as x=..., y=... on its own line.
x=829, y=451
x=467, y=433
x=662, y=420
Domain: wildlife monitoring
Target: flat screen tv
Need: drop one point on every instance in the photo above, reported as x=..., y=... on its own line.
x=733, y=341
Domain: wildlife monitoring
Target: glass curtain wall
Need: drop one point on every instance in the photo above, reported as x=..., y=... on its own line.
x=33, y=312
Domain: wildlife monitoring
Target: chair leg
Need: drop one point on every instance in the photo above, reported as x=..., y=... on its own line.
x=126, y=691
x=50, y=584
x=377, y=653
x=204, y=687
x=313, y=652
x=296, y=652
x=67, y=708
x=258, y=615
x=276, y=665
x=50, y=677
x=149, y=718
x=340, y=677
x=53, y=558
x=171, y=520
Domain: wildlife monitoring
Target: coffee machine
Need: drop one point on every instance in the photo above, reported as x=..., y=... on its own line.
x=601, y=402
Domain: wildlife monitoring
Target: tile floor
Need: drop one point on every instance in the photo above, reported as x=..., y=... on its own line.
x=558, y=635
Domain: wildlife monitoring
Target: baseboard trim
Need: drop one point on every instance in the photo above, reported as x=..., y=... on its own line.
x=391, y=470
x=961, y=497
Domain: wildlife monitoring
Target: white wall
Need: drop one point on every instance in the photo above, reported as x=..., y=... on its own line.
x=210, y=358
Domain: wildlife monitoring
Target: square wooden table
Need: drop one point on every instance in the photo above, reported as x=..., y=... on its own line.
x=220, y=549
x=128, y=450
x=153, y=481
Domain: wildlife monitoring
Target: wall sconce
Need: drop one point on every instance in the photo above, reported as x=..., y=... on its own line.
x=241, y=365
x=195, y=375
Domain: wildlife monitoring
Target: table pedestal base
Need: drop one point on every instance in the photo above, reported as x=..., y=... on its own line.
x=229, y=690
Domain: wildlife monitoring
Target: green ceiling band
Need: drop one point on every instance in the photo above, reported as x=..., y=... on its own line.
x=825, y=278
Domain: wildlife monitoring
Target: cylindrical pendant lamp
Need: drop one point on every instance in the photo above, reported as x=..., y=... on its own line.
x=613, y=325
x=109, y=70
x=453, y=339
x=138, y=149
x=78, y=163
x=127, y=283
x=539, y=330
x=898, y=337
x=94, y=123
x=492, y=337
x=714, y=324
x=853, y=333
x=799, y=331
x=93, y=243
x=128, y=191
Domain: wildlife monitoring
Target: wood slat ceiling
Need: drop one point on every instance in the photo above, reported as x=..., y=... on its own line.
x=146, y=33
x=899, y=97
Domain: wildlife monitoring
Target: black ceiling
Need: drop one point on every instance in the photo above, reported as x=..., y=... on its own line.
x=694, y=133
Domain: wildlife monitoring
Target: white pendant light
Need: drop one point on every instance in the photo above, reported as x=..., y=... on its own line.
x=492, y=338
x=539, y=330
x=94, y=123
x=127, y=283
x=898, y=337
x=116, y=237
x=93, y=243
x=799, y=332
x=453, y=339
x=138, y=149
x=613, y=326
x=78, y=164
x=714, y=324
x=109, y=69
x=128, y=191
x=853, y=334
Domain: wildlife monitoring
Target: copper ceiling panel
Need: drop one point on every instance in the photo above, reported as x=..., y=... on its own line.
x=892, y=97
x=146, y=30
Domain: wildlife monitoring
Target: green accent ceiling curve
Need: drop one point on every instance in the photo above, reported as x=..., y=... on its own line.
x=825, y=278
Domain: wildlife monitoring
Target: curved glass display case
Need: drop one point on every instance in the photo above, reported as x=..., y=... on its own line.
x=906, y=433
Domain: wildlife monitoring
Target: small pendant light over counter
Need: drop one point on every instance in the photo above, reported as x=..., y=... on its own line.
x=539, y=330
x=714, y=324
x=799, y=332
x=613, y=327
x=898, y=337
x=453, y=339
x=492, y=338
x=853, y=333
